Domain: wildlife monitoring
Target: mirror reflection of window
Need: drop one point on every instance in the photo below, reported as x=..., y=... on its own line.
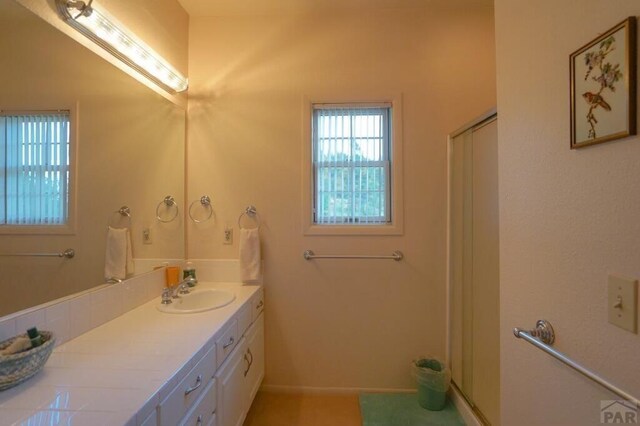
x=34, y=168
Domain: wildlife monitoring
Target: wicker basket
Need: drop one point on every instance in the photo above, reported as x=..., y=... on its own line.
x=16, y=368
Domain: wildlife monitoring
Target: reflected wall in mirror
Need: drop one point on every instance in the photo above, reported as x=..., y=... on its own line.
x=129, y=151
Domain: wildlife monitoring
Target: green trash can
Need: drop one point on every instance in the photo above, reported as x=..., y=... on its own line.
x=433, y=378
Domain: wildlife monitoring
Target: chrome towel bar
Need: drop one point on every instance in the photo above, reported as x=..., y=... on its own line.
x=68, y=254
x=309, y=254
x=546, y=336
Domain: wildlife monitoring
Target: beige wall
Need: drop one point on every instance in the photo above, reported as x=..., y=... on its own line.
x=335, y=323
x=130, y=151
x=567, y=218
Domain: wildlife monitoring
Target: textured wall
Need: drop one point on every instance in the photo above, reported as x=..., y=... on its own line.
x=335, y=323
x=567, y=218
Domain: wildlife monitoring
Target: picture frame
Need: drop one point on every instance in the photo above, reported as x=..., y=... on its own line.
x=603, y=87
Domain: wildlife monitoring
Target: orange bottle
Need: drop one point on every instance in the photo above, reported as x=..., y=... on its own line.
x=172, y=275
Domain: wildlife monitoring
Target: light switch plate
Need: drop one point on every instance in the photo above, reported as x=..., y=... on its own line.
x=228, y=235
x=146, y=236
x=623, y=302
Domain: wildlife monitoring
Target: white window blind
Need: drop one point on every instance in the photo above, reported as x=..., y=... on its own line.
x=34, y=156
x=351, y=163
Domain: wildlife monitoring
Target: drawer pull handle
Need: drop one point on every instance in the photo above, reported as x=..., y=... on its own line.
x=251, y=355
x=197, y=385
x=229, y=343
x=199, y=421
x=248, y=365
x=249, y=361
x=260, y=305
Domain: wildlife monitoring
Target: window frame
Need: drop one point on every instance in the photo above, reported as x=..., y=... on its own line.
x=68, y=228
x=385, y=110
x=395, y=226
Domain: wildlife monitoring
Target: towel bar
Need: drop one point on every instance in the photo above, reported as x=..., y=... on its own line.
x=68, y=254
x=545, y=333
x=309, y=254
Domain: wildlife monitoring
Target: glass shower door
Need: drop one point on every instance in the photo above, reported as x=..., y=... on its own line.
x=474, y=268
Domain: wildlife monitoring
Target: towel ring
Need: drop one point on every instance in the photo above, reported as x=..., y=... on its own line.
x=252, y=212
x=205, y=201
x=123, y=211
x=169, y=202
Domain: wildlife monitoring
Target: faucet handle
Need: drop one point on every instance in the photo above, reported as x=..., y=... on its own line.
x=183, y=288
x=166, y=296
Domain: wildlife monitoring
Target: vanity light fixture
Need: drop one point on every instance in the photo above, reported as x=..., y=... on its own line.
x=120, y=42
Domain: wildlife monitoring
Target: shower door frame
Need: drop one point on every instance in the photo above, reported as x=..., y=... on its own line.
x=466, y=407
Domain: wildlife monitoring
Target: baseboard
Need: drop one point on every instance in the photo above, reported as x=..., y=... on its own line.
x=465, y=410
x=329, y=390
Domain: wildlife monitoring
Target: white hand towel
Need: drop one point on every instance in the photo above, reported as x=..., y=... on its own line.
x=118, y=256
x=130, y=264
x=249, y=254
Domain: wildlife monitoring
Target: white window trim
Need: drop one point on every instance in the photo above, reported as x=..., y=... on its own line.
x=396, y=225
x=70, y=227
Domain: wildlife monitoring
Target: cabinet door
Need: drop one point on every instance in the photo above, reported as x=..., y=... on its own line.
x=255, y=353
x=232, y=393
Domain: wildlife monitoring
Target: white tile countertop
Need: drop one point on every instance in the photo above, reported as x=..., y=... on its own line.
x=117, y=373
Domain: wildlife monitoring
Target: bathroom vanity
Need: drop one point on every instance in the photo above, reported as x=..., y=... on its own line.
x=147, y=367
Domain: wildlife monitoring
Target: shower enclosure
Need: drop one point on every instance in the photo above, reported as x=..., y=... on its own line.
x=473, y=276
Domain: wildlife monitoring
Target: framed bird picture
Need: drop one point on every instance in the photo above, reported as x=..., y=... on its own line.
x=603, y=87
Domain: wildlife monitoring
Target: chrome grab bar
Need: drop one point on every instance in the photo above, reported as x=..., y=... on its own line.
x=545, y=338
x=309, y=254
x=68, y=254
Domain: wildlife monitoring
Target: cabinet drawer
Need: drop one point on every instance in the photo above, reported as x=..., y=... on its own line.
x=244, y=319
x=258, y=304
x=202, y=412
x=184, y=395
x=228, y=341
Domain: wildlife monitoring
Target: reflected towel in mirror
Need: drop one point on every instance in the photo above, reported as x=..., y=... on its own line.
x=118, y=260
x=249, y=254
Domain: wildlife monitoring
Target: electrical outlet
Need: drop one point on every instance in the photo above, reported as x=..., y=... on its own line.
x=228, y=235
x=623, y=302
x=146, y=236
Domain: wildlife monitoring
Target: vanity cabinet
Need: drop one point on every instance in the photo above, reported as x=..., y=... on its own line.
x=240, y=376
x=220, y=388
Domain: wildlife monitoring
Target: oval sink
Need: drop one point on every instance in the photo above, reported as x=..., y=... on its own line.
x=198, y=301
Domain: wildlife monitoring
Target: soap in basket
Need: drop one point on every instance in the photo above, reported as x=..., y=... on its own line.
x=21, y=366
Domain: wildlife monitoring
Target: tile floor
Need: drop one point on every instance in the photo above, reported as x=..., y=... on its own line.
x=289, y=409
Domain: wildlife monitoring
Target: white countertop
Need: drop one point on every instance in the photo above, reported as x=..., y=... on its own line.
x=117, y=373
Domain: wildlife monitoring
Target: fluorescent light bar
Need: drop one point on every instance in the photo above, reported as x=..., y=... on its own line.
x=120, y=42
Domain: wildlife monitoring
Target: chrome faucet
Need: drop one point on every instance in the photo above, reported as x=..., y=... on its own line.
x=174, y=292
x=183, y=286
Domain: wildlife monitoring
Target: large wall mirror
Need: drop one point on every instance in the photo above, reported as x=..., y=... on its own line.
x=129, y=151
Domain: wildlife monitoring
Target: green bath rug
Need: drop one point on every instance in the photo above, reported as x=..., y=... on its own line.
x=402, y=409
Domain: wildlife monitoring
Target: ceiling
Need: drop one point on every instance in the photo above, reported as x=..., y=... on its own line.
x=197, y=8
